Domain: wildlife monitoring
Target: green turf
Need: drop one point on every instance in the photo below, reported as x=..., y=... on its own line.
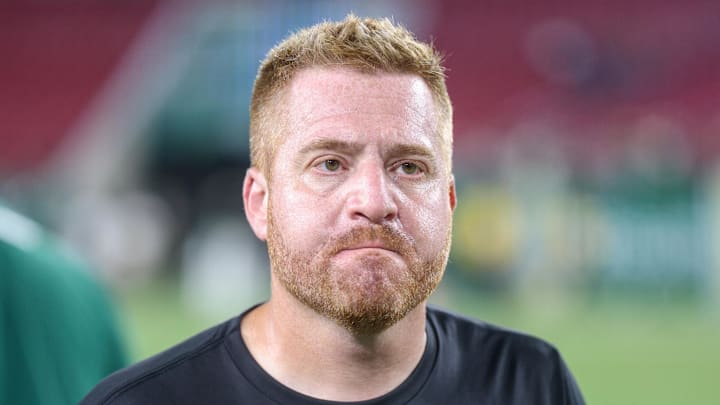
x=622, y=351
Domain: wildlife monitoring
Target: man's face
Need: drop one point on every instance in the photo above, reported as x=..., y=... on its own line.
x=360, y=196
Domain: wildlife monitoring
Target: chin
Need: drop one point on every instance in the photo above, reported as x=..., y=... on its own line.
x=369, y=321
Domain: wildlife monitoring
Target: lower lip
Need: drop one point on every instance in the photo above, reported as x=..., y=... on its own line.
x=367, y=250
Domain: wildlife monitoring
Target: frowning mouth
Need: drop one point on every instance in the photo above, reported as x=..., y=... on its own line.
x=376, y=239
x=370, y=246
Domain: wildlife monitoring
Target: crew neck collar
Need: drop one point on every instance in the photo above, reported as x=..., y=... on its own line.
x=279, y=393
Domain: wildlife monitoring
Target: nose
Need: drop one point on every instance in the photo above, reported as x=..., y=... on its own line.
x=371, y=196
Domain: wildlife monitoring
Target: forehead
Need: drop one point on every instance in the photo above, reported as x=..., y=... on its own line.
x=337, y=83
x=347, y=102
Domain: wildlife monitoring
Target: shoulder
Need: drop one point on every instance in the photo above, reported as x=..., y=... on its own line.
x=42, y=277
x=511, y=366
x=469, y=336
x=175, y=366
x=34, y=259
x=46, y=287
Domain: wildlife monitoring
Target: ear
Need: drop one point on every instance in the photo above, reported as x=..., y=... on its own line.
x=255, y=197
x=451, y=193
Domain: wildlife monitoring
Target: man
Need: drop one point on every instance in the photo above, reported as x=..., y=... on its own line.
x=58, y=335
x=352, y=188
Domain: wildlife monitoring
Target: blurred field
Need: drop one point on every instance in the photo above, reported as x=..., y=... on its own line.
x=586, y=153
x=649, y=350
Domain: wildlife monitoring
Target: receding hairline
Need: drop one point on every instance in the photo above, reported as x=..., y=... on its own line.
x=365, y=45
x=278, y=105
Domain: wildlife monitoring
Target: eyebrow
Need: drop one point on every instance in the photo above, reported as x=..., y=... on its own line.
x=411, y=150
x=354, y=147
x=332, y=144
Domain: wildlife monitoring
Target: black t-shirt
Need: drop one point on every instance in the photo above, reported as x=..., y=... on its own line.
x=465, y=362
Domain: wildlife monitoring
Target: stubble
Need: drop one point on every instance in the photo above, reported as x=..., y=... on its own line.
x=372, y=295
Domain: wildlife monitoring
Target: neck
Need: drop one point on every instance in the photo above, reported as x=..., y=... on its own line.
x=315, y=356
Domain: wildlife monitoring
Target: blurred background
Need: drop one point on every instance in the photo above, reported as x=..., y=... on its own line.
x=587, y=158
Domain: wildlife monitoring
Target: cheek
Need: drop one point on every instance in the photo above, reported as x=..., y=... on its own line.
x=431, y=220
x=299, y=219
x=433, y=228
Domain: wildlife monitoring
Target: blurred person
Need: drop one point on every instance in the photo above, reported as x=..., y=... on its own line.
x=58, y=333
x=351, y=186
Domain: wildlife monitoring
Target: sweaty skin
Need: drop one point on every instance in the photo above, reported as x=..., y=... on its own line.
x=358, y=219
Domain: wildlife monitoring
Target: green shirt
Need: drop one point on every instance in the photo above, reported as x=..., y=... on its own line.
x=58, y=334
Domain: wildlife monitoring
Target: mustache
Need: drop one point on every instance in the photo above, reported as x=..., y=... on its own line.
x=388, y=237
